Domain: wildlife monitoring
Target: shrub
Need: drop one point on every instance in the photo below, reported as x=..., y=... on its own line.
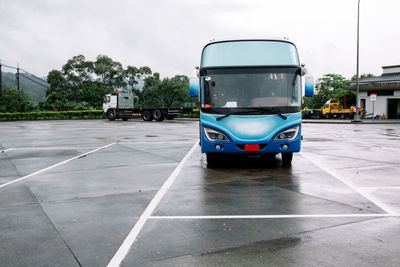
x=189, y=115
x=14, y=101
x=52, y=115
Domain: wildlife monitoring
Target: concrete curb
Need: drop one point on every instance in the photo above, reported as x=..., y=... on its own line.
x=186, y=119
x=324, y=121
x=350, y=122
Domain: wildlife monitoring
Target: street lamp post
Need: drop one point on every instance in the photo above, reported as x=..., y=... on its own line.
x=357, y=115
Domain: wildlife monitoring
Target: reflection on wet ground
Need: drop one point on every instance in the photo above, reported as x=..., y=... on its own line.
x=328, y=208
x=206, y=217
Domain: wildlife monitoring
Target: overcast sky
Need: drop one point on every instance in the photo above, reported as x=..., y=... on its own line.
x=168, y=35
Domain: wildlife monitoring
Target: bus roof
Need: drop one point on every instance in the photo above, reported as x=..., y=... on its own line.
x=249, y=52
x=272, y=38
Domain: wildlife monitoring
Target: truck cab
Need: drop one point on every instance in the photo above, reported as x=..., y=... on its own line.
x=333, y=109
x=109, y=102
x=119, y=104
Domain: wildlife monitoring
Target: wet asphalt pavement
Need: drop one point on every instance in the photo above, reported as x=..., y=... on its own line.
x=88, y=185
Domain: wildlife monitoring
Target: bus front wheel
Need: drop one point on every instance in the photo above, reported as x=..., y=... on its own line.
x=211, y=158
x=287, y=158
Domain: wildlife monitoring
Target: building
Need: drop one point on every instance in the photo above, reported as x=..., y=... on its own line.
x=387, y=90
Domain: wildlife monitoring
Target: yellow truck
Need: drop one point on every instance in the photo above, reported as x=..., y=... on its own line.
x=333, y=109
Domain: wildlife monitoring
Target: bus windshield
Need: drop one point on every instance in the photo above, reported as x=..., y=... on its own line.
x=238, y=88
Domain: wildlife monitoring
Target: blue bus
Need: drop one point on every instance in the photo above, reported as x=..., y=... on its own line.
x=250, y=98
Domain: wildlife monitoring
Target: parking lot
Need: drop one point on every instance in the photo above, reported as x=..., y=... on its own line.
x=97, y=193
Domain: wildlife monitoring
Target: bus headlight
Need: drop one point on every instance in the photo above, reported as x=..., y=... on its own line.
x=214, y=135
x=288, y=134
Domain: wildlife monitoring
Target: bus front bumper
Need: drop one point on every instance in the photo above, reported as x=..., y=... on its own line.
x=239, y=148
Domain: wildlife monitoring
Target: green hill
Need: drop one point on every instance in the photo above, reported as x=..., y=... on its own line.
x=34, y=91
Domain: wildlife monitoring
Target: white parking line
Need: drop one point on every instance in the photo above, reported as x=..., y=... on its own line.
x=5, y=150
x=379, y=187
x=131, y=238
x=39, y=148
x=69, y=128
x=373, y=167
x=156, y=142
x=53, y=166
x=279, y=216
x=146, y=215
x=359, y=190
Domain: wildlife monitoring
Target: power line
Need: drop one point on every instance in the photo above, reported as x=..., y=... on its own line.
x=23, y=75
x=34, y=76
x=1, y=81
x=18, y=77
x=28, y=78
x=9, y=66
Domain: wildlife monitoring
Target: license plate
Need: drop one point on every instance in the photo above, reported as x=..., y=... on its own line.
x=251, y=148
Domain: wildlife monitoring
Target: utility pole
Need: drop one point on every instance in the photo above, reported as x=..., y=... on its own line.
x=1, y=81
x=18, y=76
x=357, y=115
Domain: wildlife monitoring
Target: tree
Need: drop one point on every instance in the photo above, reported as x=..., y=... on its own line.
x=169, y=92
x=146, y=95
x=330, y=86
x=145, y=72
x=346, y=97
x=133, y=74
x=110, y=73
x=362, y=76
x=83, y=81
x=77, y=72
x=14, y=101
x=59, y=100
x=57, y=82
x=151, y=80
x=93, y=95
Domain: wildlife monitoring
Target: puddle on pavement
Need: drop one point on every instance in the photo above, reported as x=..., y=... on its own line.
x=40, y=152
x=107, y=139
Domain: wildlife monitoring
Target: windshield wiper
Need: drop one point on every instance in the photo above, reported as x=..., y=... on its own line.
x=277, y=111
x=256, y=111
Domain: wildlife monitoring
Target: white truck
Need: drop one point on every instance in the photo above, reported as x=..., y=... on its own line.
x=120, y=105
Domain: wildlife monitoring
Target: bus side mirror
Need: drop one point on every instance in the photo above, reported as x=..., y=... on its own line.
x=303, y=70
x=309, y=86
x=194, y=87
